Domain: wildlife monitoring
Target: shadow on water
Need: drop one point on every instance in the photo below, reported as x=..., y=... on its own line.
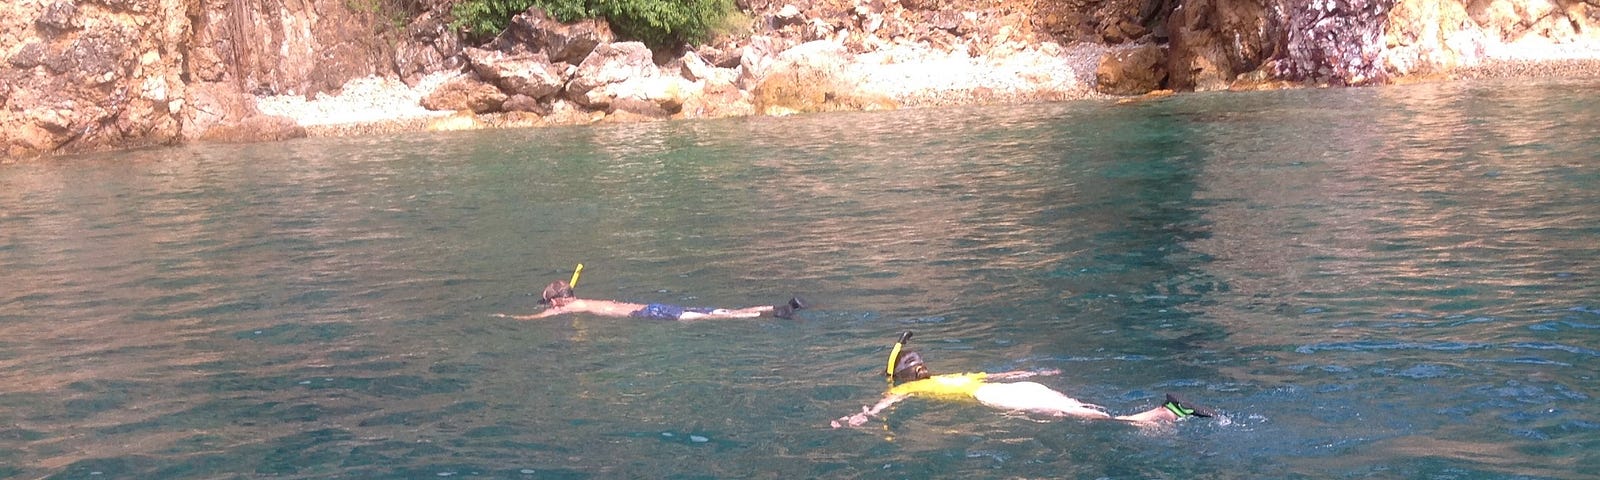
x=1391, y=282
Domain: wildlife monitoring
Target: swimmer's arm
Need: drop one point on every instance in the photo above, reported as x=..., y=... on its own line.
x=1023, y=373
x=549, y=312
x=861, y=418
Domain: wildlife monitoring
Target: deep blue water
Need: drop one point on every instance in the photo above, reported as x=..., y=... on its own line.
x=1393, y=282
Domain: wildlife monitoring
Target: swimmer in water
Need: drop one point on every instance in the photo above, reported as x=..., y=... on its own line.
x=912, y=378
x=558, y=295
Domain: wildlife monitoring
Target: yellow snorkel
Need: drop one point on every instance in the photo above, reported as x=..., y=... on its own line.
x=895, y=354
x=574, y=282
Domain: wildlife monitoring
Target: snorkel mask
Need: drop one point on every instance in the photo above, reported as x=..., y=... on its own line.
x=905, y=366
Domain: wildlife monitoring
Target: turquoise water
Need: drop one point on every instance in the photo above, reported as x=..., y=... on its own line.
x=1369, y=283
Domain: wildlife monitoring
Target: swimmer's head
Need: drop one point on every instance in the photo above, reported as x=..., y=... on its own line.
x=909, y=367
x=556, y=289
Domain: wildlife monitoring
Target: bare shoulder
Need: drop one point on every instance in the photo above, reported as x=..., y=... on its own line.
x=604, y=307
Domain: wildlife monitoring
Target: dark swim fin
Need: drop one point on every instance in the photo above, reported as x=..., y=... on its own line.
x=1182, y=407
x=787, y=310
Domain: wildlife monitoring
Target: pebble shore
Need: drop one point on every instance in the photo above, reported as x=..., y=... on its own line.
x=362, y=101
x=914, y=76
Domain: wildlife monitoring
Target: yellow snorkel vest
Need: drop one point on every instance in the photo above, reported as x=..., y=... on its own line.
x=947, y=385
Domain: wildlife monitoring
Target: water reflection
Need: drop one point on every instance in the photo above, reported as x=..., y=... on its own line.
x=1430, y=240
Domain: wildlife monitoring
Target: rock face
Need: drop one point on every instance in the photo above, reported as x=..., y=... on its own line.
x=1336, y=42
x=73, y=81
x=84, y=75
x=1219, y=44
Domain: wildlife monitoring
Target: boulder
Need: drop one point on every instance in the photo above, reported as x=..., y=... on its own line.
x=564, y=112
x=529, y=74
x=259, y=128
x=692, y=67
x=755, y=57
x=1212, y=41
x=722, y=54
x=431, y=46
x=612, y=71
x=58, y=18
x=718, y=100
x=523, y=103
x=1132, y=71
x=465, y=94
x=806, y=78
x=536, y=31
x=1427, y=37
x=214, y=105
x=461, y=120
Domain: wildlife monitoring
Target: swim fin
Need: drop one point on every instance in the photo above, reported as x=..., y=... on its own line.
x=1182, y=407
x=787, y=310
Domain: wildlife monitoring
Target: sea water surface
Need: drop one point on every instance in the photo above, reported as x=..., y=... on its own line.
x=1394, y=282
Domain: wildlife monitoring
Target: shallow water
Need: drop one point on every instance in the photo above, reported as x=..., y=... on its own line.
x=1369, y=283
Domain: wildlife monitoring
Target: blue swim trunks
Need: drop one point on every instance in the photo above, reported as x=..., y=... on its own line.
x=662, y=311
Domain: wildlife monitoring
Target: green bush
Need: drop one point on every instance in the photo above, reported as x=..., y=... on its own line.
x=657, y=23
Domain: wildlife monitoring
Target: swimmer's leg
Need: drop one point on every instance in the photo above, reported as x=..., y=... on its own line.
x=717, y=313
x=1175, y=408
x=1036, y=398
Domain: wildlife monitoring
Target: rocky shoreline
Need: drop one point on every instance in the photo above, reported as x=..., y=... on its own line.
x=907, y=70
x=377, y=105
x=908, y=77
x=92, y=75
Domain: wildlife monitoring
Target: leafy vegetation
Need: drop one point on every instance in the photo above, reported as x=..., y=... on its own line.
x=657, y=23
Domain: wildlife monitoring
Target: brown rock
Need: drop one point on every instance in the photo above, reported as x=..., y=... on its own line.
x=718, y=101
x=1211, y=41
x=1428, y=37
x=626, y=116
x=465, y=93
x=58, y=18
x=610, y=64
x=722, y=55
x=77, y=82
x=1122, y=30
x=462, y=120
x=430, y=45
x=535, y=31
x=523, y=103
x=1132, y=71
x=1335, y=43
x=213, y=105
x=529, y=74
x=276, y=47
x=259, y=128
x=809, y=78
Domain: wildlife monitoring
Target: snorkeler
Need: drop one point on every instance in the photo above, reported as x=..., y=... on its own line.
x=558, y=295
x=912, y=378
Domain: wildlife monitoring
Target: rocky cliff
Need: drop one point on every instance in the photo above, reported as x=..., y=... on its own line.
x=81, y=75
